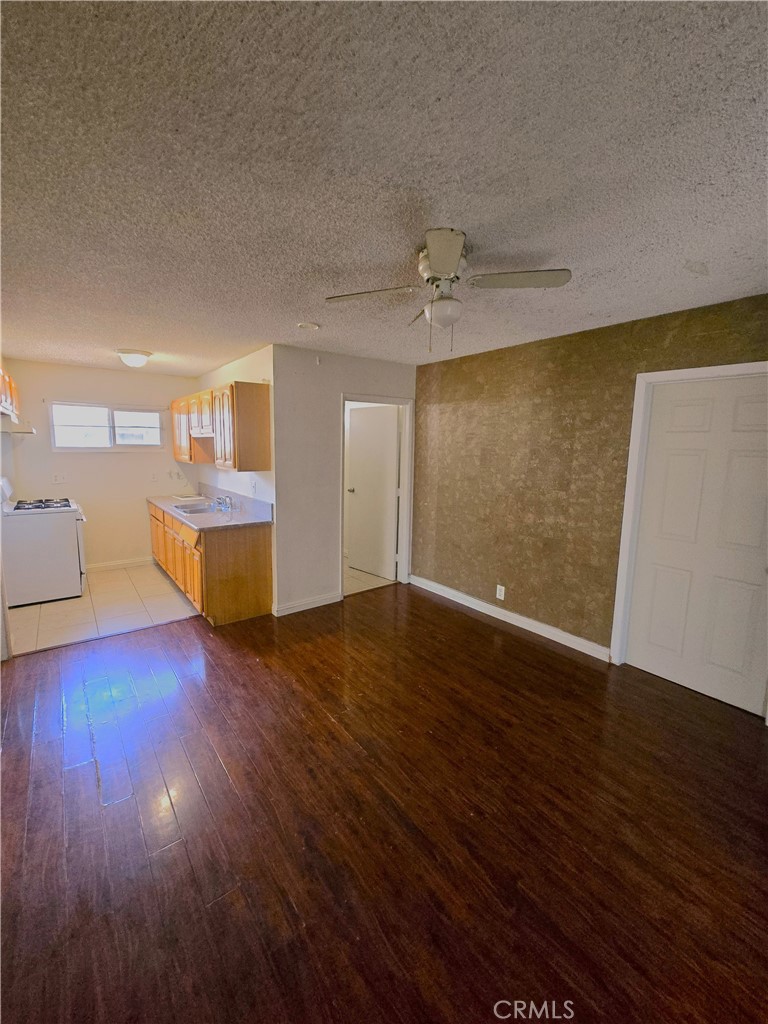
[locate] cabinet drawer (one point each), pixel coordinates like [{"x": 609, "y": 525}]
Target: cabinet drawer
[{"x": 170, "y": 520}]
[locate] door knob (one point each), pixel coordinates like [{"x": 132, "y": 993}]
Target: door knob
[{"x": 351, "y": 490}]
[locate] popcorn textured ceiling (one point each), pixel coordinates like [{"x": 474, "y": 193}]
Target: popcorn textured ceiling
[{"x": 194, "y": 178}]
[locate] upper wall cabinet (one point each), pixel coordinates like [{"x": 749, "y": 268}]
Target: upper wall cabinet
[
  {"x": 182, "y": 450},
  {"x": 201, "y": 414},
  {"x": 9, "y": 396},
  {"x": 229, "y": 426},
  {"x": 241, "y": 434}
]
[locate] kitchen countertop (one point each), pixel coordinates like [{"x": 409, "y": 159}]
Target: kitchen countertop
[{"x": 257, "y": 513}]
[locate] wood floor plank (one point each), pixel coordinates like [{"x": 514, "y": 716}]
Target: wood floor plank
[
  {"x": 158, "y": 818},
  {"x": 76, "y": 722},
  {"x": 206, "y": 851},
  {"x": 35, "y": 968},
  {"x": 114, "y": 781},
  {"x": 101, "y": 706},
  {"x": 196, "y": 986},
  {"x": 82, "y": 813},
  {"x": 90, "y": 949},
  {"x": 140, "y": 974}
]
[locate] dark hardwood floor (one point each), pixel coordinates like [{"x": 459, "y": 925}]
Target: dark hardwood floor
[{"x": 381, "y": 811}]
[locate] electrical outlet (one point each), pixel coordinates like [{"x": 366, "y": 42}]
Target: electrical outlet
[
  {"x": 500, "y": 591},
  {"x": 59, "y": 478},
  {"x": 154, "y": 478}
]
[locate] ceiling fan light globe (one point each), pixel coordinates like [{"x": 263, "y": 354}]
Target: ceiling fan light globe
[{"x": 443, "y": 312}]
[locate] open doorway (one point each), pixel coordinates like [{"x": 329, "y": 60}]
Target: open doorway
[{"x": 373, "y": 496}]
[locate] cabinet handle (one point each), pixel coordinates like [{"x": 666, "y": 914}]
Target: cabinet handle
[{"x": 351, "y": 490}]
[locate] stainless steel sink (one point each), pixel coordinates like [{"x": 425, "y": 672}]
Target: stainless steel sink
[{"x": 196, "y": 510}]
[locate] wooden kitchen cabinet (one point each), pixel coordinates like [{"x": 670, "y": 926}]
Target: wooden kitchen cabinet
[
  {"x": 179, "y": 563},
  {"x": 223, "y": 427},
  {"x": 9, "y": 396},
  {"x": 188, "y": 415},
  {"x": 241, "y": 427},
  {"x": 226, "y": 574},
  {"x": 228, "y": 425},
  {"x": 182, "y": 441},
  {"x": 193, "y": 576},
  {"x": 157, "y": 532},
  {"x": 168, "y": 564},
  {"x": 201, "y": 414}
]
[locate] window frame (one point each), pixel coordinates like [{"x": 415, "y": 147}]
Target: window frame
[{"x": 113, "y": 446}]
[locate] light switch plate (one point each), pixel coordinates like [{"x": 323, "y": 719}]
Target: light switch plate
[
  {"x": 59, "y": 478},
  {"x": 500, "y": 591}
]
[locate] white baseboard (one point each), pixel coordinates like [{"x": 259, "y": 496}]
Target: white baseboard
[
  {"x": 578, "y": 643},
  {"x": 126, "y": 563},
  {"x": 303, "y": 606}
]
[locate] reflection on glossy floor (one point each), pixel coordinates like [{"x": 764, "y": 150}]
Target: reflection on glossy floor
[
  {"x": 115, "y": 601},
  {"x": 356, "y": 581},
  {"x": 384, "y": 810}
]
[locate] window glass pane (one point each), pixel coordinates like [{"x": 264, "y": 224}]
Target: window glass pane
[
  {"x": 137, "y": 427},
  {"x": 81, "y": 415},
  {"x": 81, "y": 426}
]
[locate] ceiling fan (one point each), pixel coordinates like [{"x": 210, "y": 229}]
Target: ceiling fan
[{"x": 442, "y": 264}]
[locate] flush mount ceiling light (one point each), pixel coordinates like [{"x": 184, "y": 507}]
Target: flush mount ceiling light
[
  {"x": 133, "y": 357},
  {"x": 308, "y": 326}
]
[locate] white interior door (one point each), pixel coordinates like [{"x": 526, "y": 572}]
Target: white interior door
[
  {"x": 698, "y": 606},
  {"x": 372, "y": 469}
]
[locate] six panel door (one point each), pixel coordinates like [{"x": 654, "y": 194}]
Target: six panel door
[{"x": 698, "y": 606}]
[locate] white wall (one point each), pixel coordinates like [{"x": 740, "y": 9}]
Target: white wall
[
  {"x": 111, "y": 485},
  {"x": 7, "y": 448},
  {"x": 256, "y": 367},
  {"x": 308, "y": 440}
]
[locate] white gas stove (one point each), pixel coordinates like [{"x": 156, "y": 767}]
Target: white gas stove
[{"x": 42, "y": 550}]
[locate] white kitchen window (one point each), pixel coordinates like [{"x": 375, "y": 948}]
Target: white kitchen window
[{"x": 99, "y": 427}]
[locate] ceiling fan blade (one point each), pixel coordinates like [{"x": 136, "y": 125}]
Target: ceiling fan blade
[
  {"x": 420, "y": 313},
  {"x": 444, "y": 249},
  {"x": 376, "y": 291},
  {"x": 522, "y": 279}
]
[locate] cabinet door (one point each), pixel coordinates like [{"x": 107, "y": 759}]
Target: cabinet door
[
  {"x": 193, "y": 577},
  {"x": 169, "y": 550},
  {"x": 5, "y": 391},
  {"x": 197, "y": 580},
  {"x": 223, "y": 428},
  {"x": 206, "y": 412},
  {"x": 182, "y": 449},
  {"x": 194, "y": 414},
  {"x": 218, "y": 430},
  {"x": 158, "y": 539},
  {"x": 178, "y": 561}
]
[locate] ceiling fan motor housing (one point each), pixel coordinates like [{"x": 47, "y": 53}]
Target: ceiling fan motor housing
[{"x": 426, "y": 271}]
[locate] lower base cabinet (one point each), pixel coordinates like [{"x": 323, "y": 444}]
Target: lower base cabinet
[{"x": 226, "y": 573}]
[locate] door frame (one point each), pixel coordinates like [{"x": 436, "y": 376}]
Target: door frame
[
  {"x": 405, "y": 508},
  {"x": 638, "y": 449}
]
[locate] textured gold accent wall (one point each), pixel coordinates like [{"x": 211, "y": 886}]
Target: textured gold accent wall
[{"x": 521, "y": 458}]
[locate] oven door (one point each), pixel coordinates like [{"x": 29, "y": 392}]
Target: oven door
[{"x": 41, "y": 557}]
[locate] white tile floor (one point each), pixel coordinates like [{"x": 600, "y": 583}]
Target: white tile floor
[
  {"x": 115, "y": 601},
  {"x": 355, "y": 580}
]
